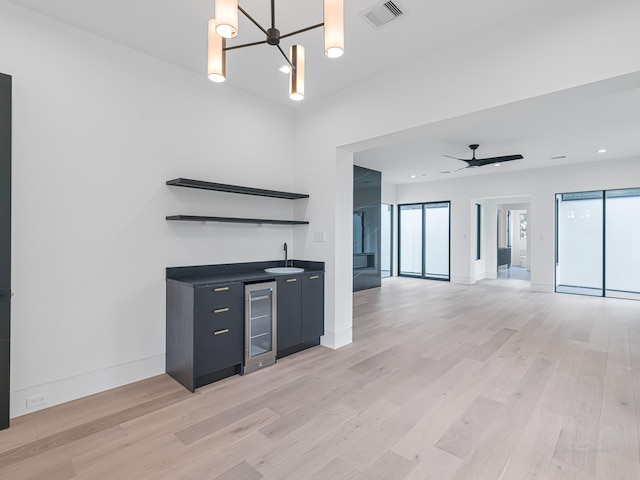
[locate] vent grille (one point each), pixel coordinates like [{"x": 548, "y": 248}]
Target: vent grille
[{"x": 383, "y": 13}]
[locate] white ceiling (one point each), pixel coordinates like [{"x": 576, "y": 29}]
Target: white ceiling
[
  {"x": 573, "y": 123},
  {"x": 176, "y": 31}
]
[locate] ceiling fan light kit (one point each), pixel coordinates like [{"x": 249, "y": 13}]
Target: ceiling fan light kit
[{"x": 225, "y": 26}]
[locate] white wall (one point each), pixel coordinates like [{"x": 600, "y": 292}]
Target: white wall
[
  {"x": 576, "y": 44},
  {"x": 97, "y": 131}
]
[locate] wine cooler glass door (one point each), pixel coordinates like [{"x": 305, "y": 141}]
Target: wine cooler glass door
[
  {"x": 260, "y": 322},
  {"x": 260, "y": 326}
]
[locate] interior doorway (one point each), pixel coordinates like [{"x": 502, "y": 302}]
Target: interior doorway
[
  {"x": 513, "y": 243},
  {"x": 502, "y": 244}
]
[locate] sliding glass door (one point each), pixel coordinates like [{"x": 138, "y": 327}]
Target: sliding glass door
[
  {"x": 436, "y": 240},
  {"x": 410, "y": 239},
  {"x": 598, "y": 243},
  {"x": 622, "y": 243},
  {"x": 424, "y": 240},
  {"x": 579, "y": 240}
]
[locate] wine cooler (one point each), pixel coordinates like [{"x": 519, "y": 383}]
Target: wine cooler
[{"x": 260, "y": 326}]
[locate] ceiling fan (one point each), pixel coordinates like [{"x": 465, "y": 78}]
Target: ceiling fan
[{"x": 480, "y": 162}]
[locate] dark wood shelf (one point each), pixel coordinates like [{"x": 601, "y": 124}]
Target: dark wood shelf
[
  {"x": 196, "y": 218},
  {"x": 221, "y": 187}
]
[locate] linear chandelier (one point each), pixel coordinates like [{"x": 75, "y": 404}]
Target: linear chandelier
[{"x": 225, "y": 26}]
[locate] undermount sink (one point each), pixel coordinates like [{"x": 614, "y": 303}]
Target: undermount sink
[{"x": 284, "y": 270}]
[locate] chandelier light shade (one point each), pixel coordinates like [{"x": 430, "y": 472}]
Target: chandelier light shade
[
  {"x": 333, "y": 28},
  {"x": 296, "y": 75},
  {"x": 217, "y": 64},
  {"x": 226, "y": 13},
  {"x": 225, "y": 26}
]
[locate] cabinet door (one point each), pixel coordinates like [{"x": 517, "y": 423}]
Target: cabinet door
[
  {"x": 312, "y": 306},
  {"x": 289, "y": 312},
  {"x": 219, "y": 346}
]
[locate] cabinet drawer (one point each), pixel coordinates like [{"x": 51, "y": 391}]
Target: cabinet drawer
[
  {"x": 210, "y": 319},
  {"x": 215, "y": 351},
  {"x": 218, "y": 296}
]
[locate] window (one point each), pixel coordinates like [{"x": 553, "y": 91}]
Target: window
[{"x": 523, "y": 226}]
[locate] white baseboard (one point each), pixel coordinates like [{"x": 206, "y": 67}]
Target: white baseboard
[
  {"x": 68, "y": 389},
  {"x": 336, "y": 340},
  {"x": 491, "y": 275},
  {"x": 461, "y": 280}
]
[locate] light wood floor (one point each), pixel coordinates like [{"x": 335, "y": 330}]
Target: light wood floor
[{"x": 443, "y": 382}]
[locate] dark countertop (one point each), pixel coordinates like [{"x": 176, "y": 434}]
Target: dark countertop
[{"x": 252, "y": 272}]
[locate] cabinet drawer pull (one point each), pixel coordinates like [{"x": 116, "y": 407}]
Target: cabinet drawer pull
[
  {"x": 289, "y": 280},
  {"x": 221, "y": 289},
  {"x": 220, "y": 332},
  {"x": 221, "y": 310},
  {"x": 313, "y": 277}
]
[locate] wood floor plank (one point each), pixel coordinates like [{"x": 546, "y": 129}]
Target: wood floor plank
[
  {"x": 578, "y": 440},
  {"x": 461, "y": 439},
  {"x": 484, "y": 351},
  {"x": 336, "y": 470},
  {"x": 618, "y": 433},
  {"x": 533, "y": 455},
  {"x": 610, "y": 466},
  {"x": 242, "y": 471},
  {"x": 434, "y": 464},
  {"x": 390, "y": 465}
]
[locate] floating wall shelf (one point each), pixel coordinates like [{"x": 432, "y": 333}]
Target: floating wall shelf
[
  {"x": 195, "y": 218},
  {"x": 221, "y": 187}
]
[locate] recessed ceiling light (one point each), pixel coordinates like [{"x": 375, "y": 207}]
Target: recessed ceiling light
[
  {"x": 413, "y": 176},
  {"x": 559, "y": 157},
  {"x": 602, "y": 150},
  {"x": 497, "y": 164},
  {"x": 285, "y": 69}
]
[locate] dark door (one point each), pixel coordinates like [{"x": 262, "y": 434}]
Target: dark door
[
  {"x": 289, "y": 306},
  {"x": 5, "y": 245}
]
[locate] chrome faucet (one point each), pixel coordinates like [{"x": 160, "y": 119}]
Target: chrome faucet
[{"x": 285, "y": 254}]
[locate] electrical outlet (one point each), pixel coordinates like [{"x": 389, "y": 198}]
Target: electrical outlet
[{"x": 37, "y": 400}]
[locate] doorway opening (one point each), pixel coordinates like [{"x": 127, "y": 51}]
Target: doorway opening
[{"x": 513, "y": 251}]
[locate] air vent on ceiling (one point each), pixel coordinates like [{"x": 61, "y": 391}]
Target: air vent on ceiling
[{"x": 383, "y": 13}]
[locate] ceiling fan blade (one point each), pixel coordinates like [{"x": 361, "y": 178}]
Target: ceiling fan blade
[
  {"x": 455, "y": 158},
  {"x": 488, "y": 161}
]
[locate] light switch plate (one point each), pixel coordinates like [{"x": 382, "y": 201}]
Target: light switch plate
[{"x": 319, "y": 236}]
